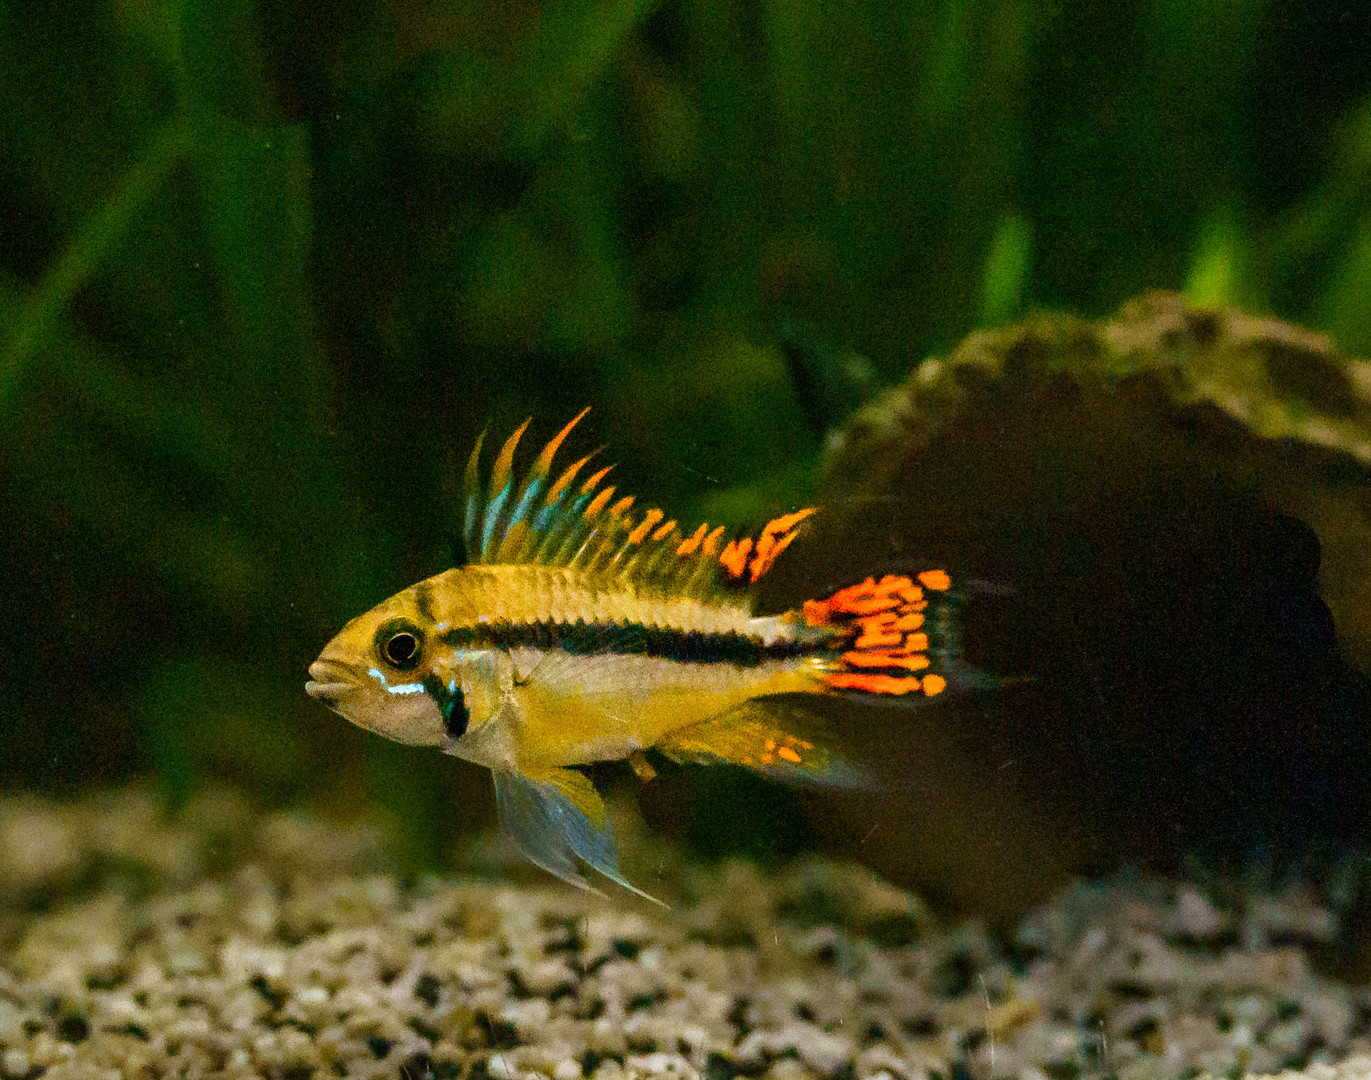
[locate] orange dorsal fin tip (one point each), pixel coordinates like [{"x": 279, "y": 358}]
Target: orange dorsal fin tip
[
  {"x": 593, "y": 480},
  {"x": 764, "y": 562},
  {"x": 639, "y": 534},
  {"x": 544, "y": 460},
  {"x": 598, "y": 503},
  {"x": 499, "y": 474},
  {"x": 787, "y": 521},
  {"x": 568, "y": 475},
  {"x": 665, "y": 531},
  {"x": 937, "y": 580},
  {"x": 777, "y": 535},
  {"x": 617, "y": 510},
  {"x": 734, "y": 557},
  {"x": 690, "y": 543},
  {"x": 473, "y": 473},
  {"x": 711, "y": 542},
  {"x": 934, "y": 684}
]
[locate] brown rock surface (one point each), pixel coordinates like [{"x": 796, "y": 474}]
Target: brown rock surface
[{"x": 1165, "y": 521}]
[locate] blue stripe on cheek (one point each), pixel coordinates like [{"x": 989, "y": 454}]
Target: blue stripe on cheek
[{"x": 403, "y": 688}]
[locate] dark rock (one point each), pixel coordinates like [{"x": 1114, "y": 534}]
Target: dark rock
[{"x": 1162, "y": 524}]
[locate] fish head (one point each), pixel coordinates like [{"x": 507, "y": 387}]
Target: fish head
[{"x": 379, "y": 673}]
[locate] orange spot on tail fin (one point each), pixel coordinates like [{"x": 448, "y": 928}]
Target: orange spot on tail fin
[
  {"x": 886, "y": 630},
  {"x": 861, "y": 658},
  {"x": 872, "y": 684}
]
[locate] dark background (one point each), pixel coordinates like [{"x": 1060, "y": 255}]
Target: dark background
[{"x": 267, "y": 269}]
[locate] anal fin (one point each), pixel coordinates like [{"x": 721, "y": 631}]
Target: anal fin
[
  {"x": 555, "y": 818},
  {"x": 777, "y": 736}
]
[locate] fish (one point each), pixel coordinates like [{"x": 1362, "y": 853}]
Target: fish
[{"x": 582, "y": 629}]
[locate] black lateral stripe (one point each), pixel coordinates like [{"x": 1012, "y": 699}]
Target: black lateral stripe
[{"x": 631, "y": 639}]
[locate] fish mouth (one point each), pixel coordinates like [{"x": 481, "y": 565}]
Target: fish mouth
[{"x": 326, "y": 682}]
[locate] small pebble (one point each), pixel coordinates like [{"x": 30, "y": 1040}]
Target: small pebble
[
  {"x": 1196, "y": 916},
  {"x": 287, "y": 966},
  {"x": 567, "y": 1070},
  {"x": 15, "y": 1063}
]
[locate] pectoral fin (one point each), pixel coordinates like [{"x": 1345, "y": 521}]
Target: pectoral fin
[
  {"x": 775, "y": 736},
  {"x": 555, "y": 818}
]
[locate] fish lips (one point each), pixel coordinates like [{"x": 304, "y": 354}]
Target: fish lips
[{"x": 326, "y": 683}]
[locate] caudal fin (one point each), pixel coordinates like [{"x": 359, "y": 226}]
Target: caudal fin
[{"x": 898, "y": 635}]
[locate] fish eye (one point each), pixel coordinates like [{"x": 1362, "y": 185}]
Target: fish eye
[{"x": 400, "y": 644}]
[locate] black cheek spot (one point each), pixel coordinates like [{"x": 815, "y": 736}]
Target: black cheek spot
[
  {"x": 456, "y": 715},
  {"x": 450, "y": 703}
]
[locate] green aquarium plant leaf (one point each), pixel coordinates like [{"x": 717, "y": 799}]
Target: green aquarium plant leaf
[
  {"x": 1006, "y": 271},
  {"x": 228, "y": 724},
  {"x": 101, "y": 231},
  {"x": 1218, "y": 267},
  {"x": 1343, "y": 310},
  {"x": 255, "y": 180},
  {"x": 217, "y": 42},
  {"x": 576, "y": 42}
]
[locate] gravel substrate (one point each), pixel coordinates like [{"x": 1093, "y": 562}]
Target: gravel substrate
[{"x": 230, "y": 943}]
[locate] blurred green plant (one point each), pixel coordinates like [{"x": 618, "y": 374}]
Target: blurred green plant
[
  {"x": 266, "y": 267},
  {"x": 1006, "y": 272}
]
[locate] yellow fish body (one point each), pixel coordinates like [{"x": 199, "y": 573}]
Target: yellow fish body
[{"x": 585, "y": 631}]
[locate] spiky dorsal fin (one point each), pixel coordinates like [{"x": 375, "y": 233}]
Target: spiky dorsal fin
[{"x": 531, "y": 520}]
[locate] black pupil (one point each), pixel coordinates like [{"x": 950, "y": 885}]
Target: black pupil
[{"x": 400, "y": 649}]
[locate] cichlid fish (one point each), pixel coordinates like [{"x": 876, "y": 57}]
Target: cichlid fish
[{"x": 583, "y": 630}]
